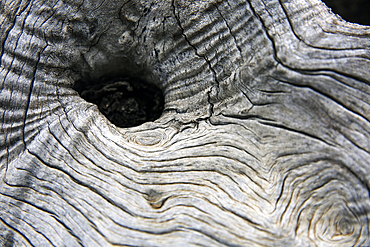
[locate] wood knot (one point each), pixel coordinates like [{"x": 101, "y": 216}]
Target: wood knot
[
  {"x": 155, "y": 199},
  {"x": 147, "y": 138}
]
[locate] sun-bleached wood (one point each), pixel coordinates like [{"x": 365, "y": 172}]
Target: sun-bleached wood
[{"x": 264, "y": 140}]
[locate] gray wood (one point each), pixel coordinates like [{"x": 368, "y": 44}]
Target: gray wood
[{"x": 264, "y": 140}]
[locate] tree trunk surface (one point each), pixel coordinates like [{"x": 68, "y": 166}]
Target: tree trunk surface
[{"x": 264, "y": 139}]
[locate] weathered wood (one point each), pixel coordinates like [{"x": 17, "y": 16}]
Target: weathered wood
[{"x": 264, "y": 140}]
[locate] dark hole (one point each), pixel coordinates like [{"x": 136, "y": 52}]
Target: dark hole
[
  {"x": 356, "y": 11},
  {"x": 126, "y": 102}
]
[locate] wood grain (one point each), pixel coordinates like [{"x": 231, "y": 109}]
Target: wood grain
[{"x": 264, "y": 140}]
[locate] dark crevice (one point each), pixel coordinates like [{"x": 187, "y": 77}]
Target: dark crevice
[
  {"x": 231, "y": 33},
  {"x": 84, "y": 185},
  {"x": 217, "y": 83},
  {"x": 301, "y": 132},
  {"x": 300, "y": 39},
  {"x": 195, "y": 48},
  {"x": 10, "y": 237},
  {"x": 30, "y": 90},
  {"x": 327, "y": 95},
  {"x": 126, "y": 102},
  {"x": 69, "y": 230},
  {"x": 356, "y": 11},
  {"x": 21, "y": 199},
  {"x": 276, "y": 57},
  {"x": 273, "y": 43},
  {"x": 18, "y": 10}
]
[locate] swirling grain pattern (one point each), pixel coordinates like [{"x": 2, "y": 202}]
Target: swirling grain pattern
[{"x": 264, "y": 140}]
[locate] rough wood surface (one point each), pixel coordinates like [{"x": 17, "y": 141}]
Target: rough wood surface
[{"x": 264, "y": 140}]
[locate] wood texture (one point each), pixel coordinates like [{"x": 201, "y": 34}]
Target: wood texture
[{"x": 264, "y": 140}]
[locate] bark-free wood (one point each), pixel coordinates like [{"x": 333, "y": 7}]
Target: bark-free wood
[{"x": 264, "y": 140}]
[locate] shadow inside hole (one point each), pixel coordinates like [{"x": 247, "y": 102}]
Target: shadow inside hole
[
  {"x": 356, "y": 11},
  {"x": 124, "y": 101}
]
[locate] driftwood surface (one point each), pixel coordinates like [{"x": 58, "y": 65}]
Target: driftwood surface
[{"x": 264, "y": 140}]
